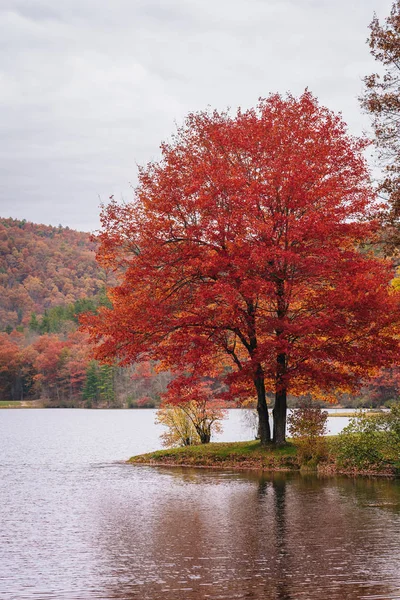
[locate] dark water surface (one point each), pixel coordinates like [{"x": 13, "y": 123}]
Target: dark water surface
[{"x": 76, "y": 525}]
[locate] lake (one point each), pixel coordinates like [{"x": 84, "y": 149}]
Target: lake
[{"x": 78, "y": 524}]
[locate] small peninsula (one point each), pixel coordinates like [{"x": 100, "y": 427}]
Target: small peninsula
[{"x": 252, "y": 455}]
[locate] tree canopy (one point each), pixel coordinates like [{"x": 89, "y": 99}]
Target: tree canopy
[
  {"x": 382, "y": 100},
  {"x": 239, "y": 258}
]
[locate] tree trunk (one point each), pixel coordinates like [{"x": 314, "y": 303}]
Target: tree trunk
[
  {"x": 205, "y": 437},
  {"x": 264, "y": 429},
  {"x": 279, "y": 414},
  {"x": 280, "y": 408}
]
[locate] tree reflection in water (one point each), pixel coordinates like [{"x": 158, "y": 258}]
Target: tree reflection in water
[{"x": 199, "y": 534}]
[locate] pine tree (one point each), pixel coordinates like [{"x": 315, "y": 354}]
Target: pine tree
[
  {"x": 34, "y": 323},
  {"x": 91, "y": 387},
  {"x": 106, "y": 384}
]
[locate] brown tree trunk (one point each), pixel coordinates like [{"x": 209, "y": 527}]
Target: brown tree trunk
[
  {"x": 205, "y": 437},
  {"x": 264, "y": 429},
  {"x": 280, "y": 407},
  {"x": 279, "y": 414}
]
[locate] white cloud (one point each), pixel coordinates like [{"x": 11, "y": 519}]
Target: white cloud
[{"x": 89, "y": 88}]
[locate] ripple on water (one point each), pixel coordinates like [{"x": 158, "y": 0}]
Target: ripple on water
[{"x": 77, "y": 526}]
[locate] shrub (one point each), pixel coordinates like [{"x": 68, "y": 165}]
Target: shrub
[
  {"x": 307, "y": 427},
  {"x": 180, "y": 430},
  {"x": 370, "y": 442},
  {"x": 190, "y": 423}
]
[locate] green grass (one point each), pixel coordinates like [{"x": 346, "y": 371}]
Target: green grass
[
  {"x": 232, "y": 455},
  {"x": 5, "y": 403},
  {"x": 20, "y": 404}
]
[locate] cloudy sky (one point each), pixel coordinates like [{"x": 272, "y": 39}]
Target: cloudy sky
[{"x": 89, "y": 88}]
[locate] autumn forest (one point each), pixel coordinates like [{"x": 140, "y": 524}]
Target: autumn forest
[{"x": 48, "y": 277}]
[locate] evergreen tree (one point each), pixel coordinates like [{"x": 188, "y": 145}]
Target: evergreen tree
[
  {"x": 34, "y": 324},
  {"x": 106, "y": 383},
  {"x": 91, "y": 387},
  {"x": 45, "y": 325}
]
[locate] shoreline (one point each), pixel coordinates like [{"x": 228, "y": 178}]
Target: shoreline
[
  {"x": 41, "y": 403},
  {"x": 320, "y": 471},
  {"x": 250, "y": 456}
]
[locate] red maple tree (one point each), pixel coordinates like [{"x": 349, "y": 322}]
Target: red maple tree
[{"x": 239, "y": 258}]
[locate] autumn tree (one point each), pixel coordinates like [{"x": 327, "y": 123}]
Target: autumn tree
[
  {"x": 199, "y": 403},
  {"x": 384, "y": 387},
  {"x": 60, "y": 366},
  {"x": 382, "y": 100},
  {"x": 179, "y": 430},
  {"x": 10, "y": 362},
  {"x": 239, "y": 258},
  {"x": 50, "y": 366}
]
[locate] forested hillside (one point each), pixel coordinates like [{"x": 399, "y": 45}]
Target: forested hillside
[
  {"x": 42, "y": 267},
  {"x": 48, "y": 276}
]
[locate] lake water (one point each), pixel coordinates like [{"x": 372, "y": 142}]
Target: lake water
[{"x": 76, "y": 524}]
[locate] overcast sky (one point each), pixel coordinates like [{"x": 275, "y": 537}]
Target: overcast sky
[{"x": 89, "y": 88}]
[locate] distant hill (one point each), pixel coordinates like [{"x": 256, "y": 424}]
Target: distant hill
[
  {"x": 42, "y": 267},
  {"x": 48, "y": 276}
]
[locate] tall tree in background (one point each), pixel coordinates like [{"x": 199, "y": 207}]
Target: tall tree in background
[
  {"x": 238, "y": 259},
  {"x": 10, "y": 363},
  {"x": 91, "y": 387},
  {"x": 106, "y": 384},
  {"x": 382, "y": 100}
]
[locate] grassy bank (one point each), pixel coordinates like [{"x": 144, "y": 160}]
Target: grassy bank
[
  {"x": 236, "y": 455},
  {"x": 252, "y": 456},
  {"x": 21, "y": 404},
  {"x": 10, "y": 403},
  {"x": 350, "y": 414}
]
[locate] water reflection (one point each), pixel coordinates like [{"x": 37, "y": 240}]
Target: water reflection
[
  {"x": 209, "y": 535},
  {"x": 75, "y": 526}
]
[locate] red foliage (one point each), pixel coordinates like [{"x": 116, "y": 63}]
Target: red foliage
[
  {"x": 241, "y": 248},
  {"x": 10, "y": 362},
  {"x": 185, "y": 390},
  {"x": 143, "y": 371},
  {"x": 384, "y": 387},
  {"x": 145, "y": 401},
  {"x": 60, "y": 365}
]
